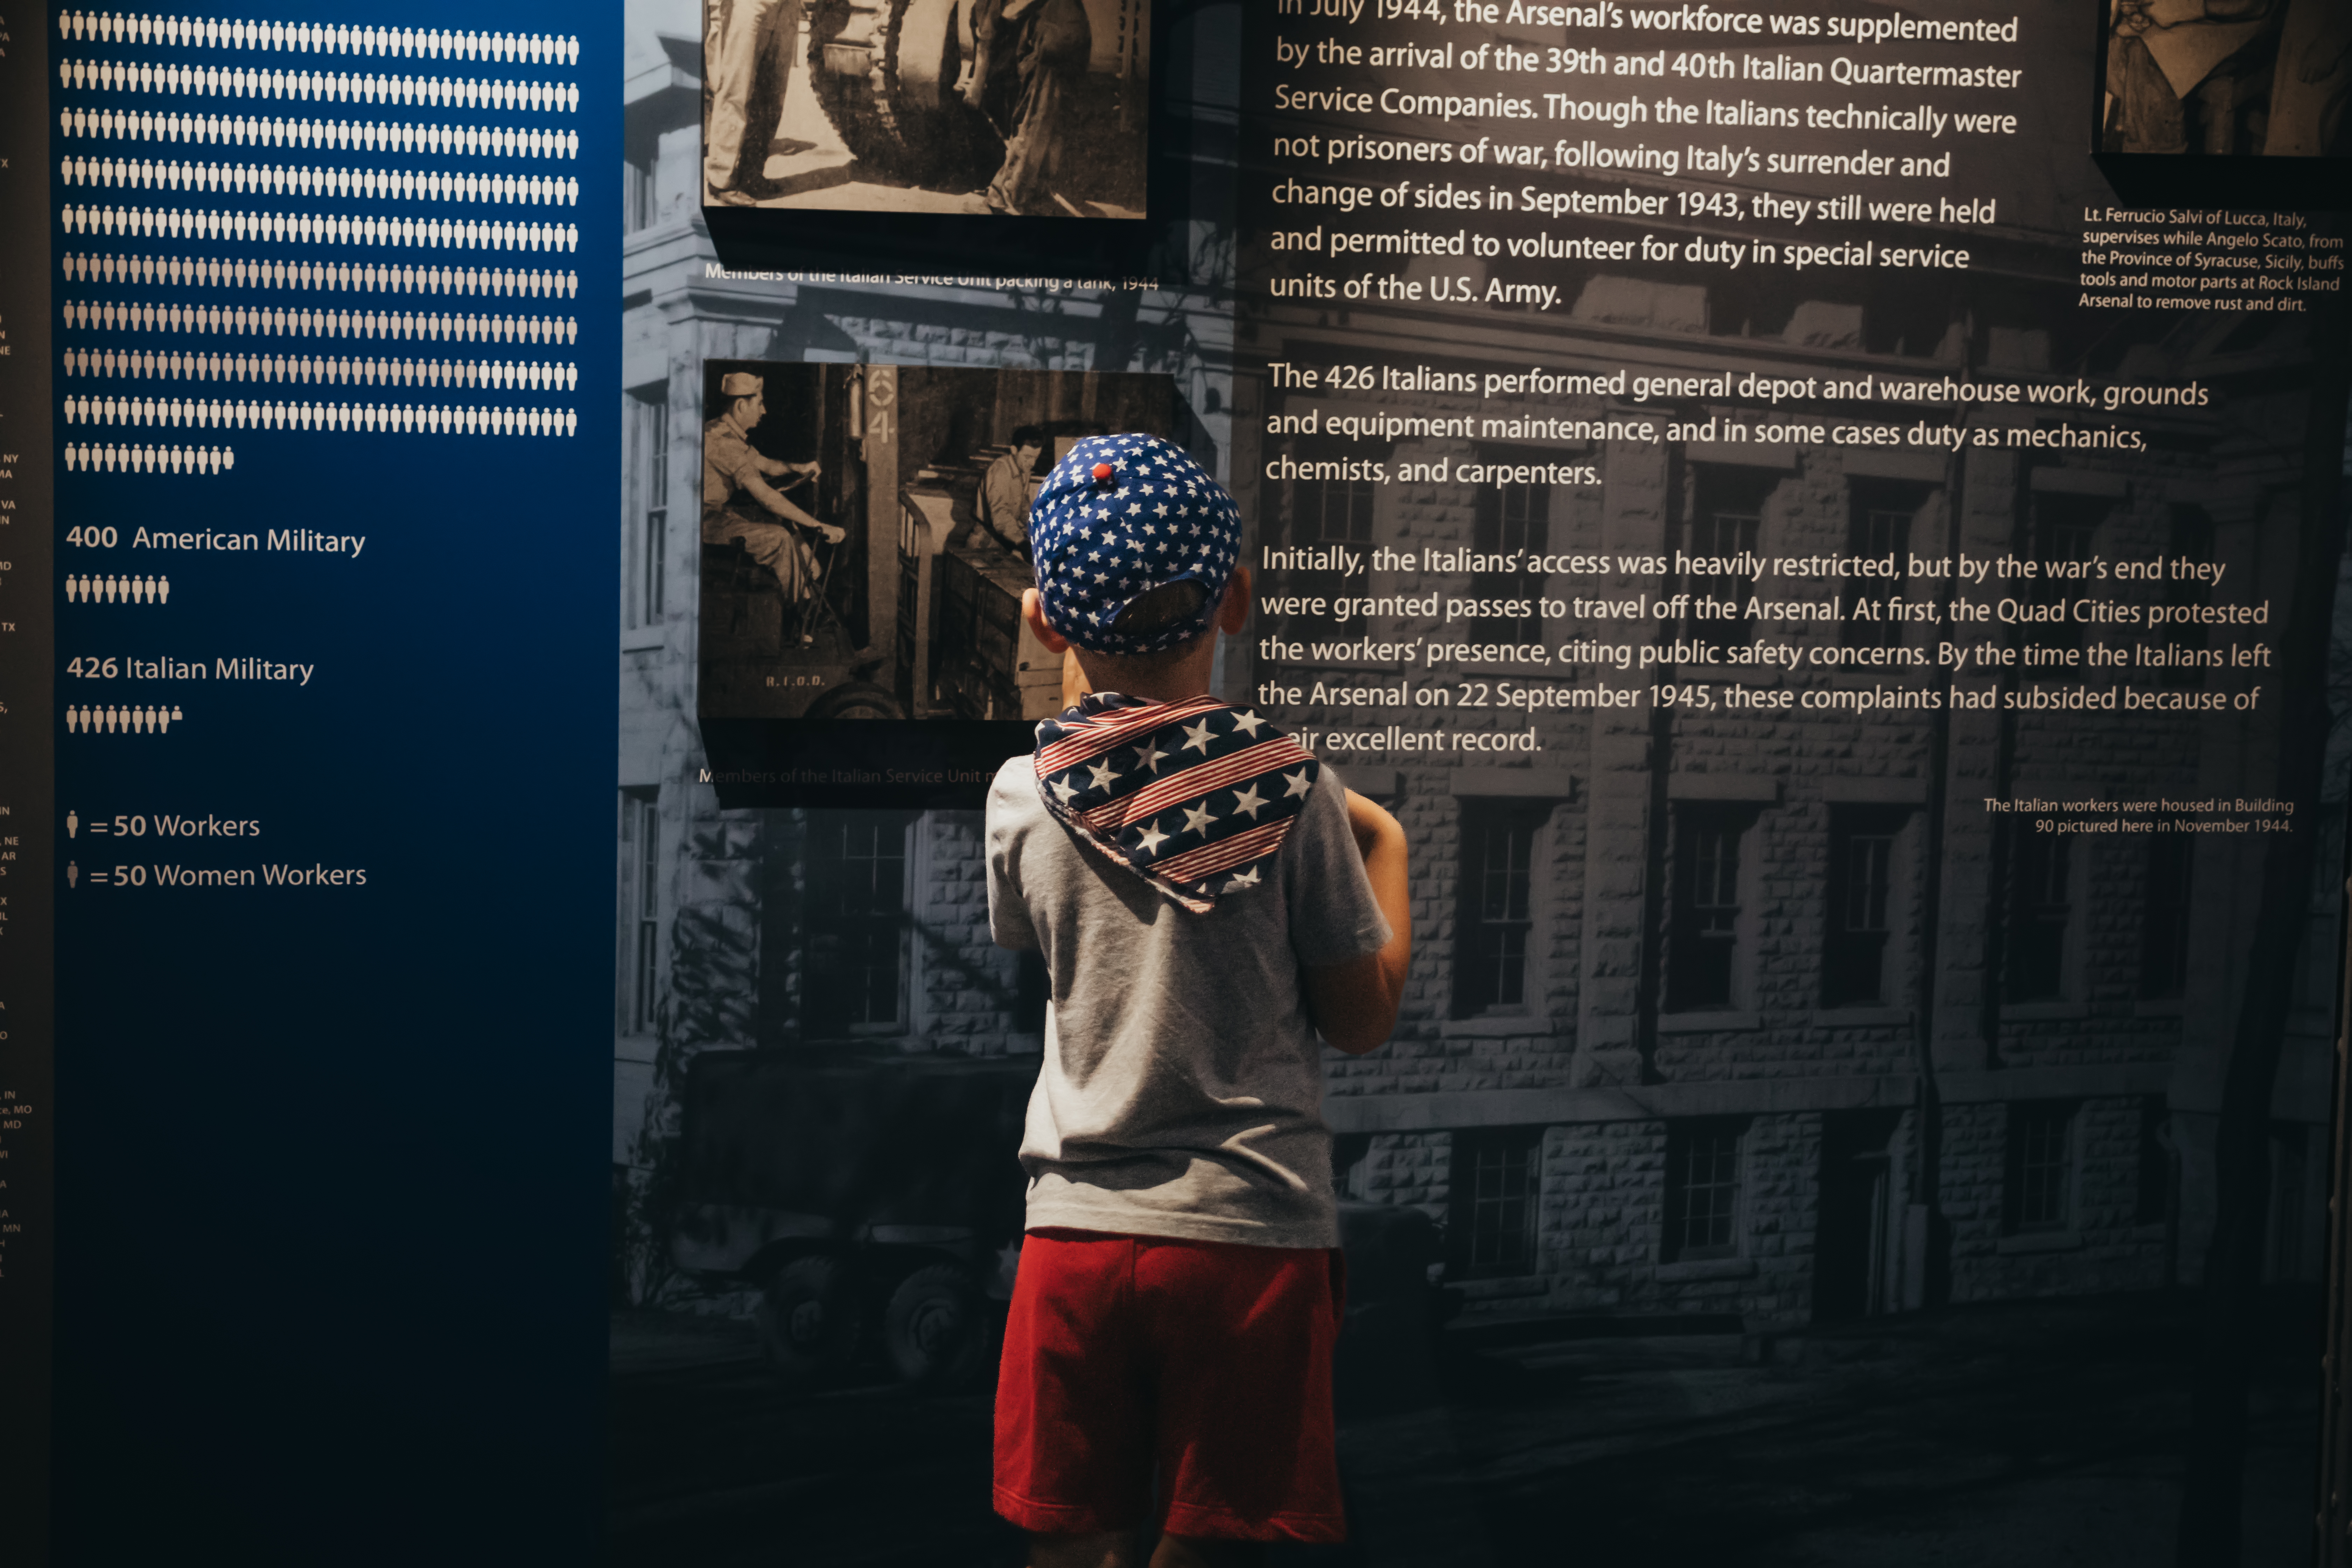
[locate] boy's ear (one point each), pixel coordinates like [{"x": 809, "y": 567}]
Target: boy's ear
[
  {"x": 1233, "y": 614},
  {"x": 1032, "y": 610}
]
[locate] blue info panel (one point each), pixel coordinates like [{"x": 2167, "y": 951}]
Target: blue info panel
[{"x": 334, "y": 609}]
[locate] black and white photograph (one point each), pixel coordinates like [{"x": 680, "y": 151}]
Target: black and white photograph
[
  {"x": 2226, "y": 78},
  {"x": 865, "y": 533},
  {"x": 1004, "y": 107},
  {"x": 1780, "y": 1159}
]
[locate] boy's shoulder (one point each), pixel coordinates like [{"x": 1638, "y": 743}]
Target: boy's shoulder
[{"x": 1013, "y": 793}]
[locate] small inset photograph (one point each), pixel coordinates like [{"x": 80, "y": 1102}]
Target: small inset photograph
[
  {"x": 865, "y": 534},
  {"x": 1005, "y": 108},
  {"x": 2232, "y": 78}
]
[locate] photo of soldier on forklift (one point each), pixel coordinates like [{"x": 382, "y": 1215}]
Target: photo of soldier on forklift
[{"x": 865, "y": 537}]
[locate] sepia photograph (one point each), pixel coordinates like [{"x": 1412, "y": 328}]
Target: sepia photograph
[
  {"x": 865, "y": 534},
  {"x": 2226, "y": 78},
  {"x": 1005, "y": 108}
]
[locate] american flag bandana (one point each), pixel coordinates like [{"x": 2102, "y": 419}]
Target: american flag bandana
[{"x": 1195, "y": 796}]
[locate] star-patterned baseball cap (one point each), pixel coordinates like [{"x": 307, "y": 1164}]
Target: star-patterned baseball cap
[{"x": 1119, "y": 516}]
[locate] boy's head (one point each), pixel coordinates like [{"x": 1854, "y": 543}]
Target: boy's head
[{"x": 1134, "y": 547}]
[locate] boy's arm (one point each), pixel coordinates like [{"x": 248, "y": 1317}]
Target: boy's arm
[{"x": 1355, "y": 1004}]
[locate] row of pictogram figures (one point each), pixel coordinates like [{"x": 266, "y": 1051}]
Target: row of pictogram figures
[
  {"x": 505, "y": 375},
  {"x": 321, "y": 182},
  {"x": 317, "y": 38},
  {"x": 112, "y": 721},
  {"x": 419, "y": 139},
  {"x": 109, "y": 589},
  {"x": 113, "y": 316},
  {"x": 320, "y": 87},
  {"x": 382, "y": 419},
  {"x": 319, "y": 228},
  {"x": 89, "y": 459},
  {"x": 254, "y": 272}
]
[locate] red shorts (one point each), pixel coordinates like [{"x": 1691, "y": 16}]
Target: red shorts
[{"x": 1208, "y": 1359}]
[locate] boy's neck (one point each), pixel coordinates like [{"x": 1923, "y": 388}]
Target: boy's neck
[{"x": 1177, "y": 680}]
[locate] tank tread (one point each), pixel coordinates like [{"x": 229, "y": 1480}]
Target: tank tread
[{"x": 860, "y": 106}]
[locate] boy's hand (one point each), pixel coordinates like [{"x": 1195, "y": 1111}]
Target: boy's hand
[{"x": 1356, "y": 1004}]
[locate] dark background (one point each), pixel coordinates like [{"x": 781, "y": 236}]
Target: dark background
[{"x": 331, "y": 1161}]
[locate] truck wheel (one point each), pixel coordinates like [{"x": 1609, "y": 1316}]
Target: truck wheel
[
  {"x": 808, "y": 1321},
  {"x": 855, "y": 699},
  {"x": 938, "y": 1329}
]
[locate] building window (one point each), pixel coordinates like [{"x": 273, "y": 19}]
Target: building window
[
  {"x": 2063, "y": 529},
  {"x": 640, "y": 910},
  {"x": 2040, "y": 1185},
  {"x": 1878, "y": 527},
  {"x": 2152, "y": 1203},
  {"x": 1498, "y": 1180},
  {"x": 1331, "y": 510},
  {"x": 1512, "y": 518},
  {"x": 1855, "y": 969},
  {"x": 640, "y": 187},
  {"x": 2040, "y": 910},
  {"x": 1726, "y": 524},
  {"x": 856, "y": 925},
  {"x": 2164, "y": 920},
  {"x": 2184, "y": 635},
  {"x": 1703, "y": 1190},
  {"x": 1499, "y": 846},
  {"x": 648, "y": 550},
  {"x": 1706, "y": 919}
]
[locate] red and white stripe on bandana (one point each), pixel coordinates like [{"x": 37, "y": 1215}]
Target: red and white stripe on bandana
[{"x": 1194, "y": 796}]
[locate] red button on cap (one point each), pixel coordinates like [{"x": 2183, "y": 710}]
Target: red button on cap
[{"x": 1102, "y": 473}]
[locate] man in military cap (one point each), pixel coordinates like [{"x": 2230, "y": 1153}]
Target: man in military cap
[
  {"x": 748, "y": 53},
  {"x": 739, "y": 504}
]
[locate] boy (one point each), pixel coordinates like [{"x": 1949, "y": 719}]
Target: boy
[{"x": 1206, "y": 896}]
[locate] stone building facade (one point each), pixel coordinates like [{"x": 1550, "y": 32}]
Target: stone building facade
[
  {"x": 1750, "y": 1012},
  {"x": 1749, "y": 1005},
  {"x": 723, "y": 916}
]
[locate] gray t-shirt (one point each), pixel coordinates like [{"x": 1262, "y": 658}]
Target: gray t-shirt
[{"x": 1182, "y": 1087}]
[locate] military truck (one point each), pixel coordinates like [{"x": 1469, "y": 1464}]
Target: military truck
[
  {"x": 890, "y": 76},
  {"x": 872, "y": 1199},
  {"x": 876, "y": 1202}
]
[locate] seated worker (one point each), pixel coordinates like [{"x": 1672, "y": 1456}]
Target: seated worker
[
  {"x": 1004, "y": 492},
  {"x": 740, "y": 505},
  {"x": 1213, "y": 907}
]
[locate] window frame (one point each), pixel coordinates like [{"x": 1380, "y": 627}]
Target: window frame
[
  {"x": 2165, "y": 905},
  {"x": 1684, "y": 1137},
  {"x": 1359, "y": 496},
  {"x": 1723, "y": 494},
  {"x": 645, "y": 593},
  {"x": 1485, "y": 816},
  {"x": 1496, "y": 531},
  {"x": 1898, "y": 505},
  {"x": 1884, "y": 829},
  {"x": 1691, "y": 922},
  {"x": 819, "y": 926},
  {"x": 2060, "y": 1122},
  {"x": 2030, "y": 933},
  {"x": 638, "y": 1002},
  {"x": 1510, "y": 1156}
]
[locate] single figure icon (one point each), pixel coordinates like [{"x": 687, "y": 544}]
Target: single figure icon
[
  {"x": 73, "y": 875},
  {"x": 73, "y": 824}
]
